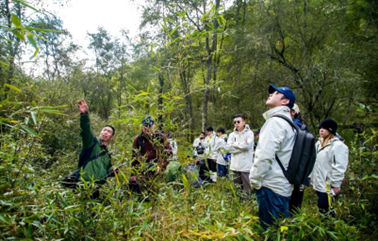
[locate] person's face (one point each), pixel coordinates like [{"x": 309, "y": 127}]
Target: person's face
[
  {"x": 106, "y": 134},
  {"x": 324, "y": 133},
  {"x": 209, "y": 133},
  {"x": 148, "y": 128},
  {"x": 219, "y": 134},
  {"x": 257, "y": 136},
  {"x": 275, "y": 99},
  {"x": 202, "y": 136},
  {"x": 239, "y": 123}
]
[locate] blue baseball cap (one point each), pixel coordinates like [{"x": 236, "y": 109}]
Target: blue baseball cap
[
  {"x": 288, "y": 93},
  {"x": 147, "y": 119}
]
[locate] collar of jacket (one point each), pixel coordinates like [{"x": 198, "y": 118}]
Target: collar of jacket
[
  {"x": 224, "y": 136},
  {"x": 277, "y": 110},
  {"x": 246, "y": 128},
  {"x": 335, "y": 138}
]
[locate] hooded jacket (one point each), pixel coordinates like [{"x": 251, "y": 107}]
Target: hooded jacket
[
  {"x": 196, "y": 143},
  {"x": 331, "y": 164},
  {"x": 240, "y": 145},
  {"x": 276, "y": 138},
  {"x": 220, "y": 149},
  {"x": 209, "y": 146}
]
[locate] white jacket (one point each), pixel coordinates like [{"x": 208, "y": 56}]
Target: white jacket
[
  {"x": 276, "y": 138},
  {"x": 331, "y": 164},
  {"x": 209, "y": 146},
  {"x": 221, "y": 149},
  {"x": 240, "y": 145},
  {"x": 196, "y": 143}
]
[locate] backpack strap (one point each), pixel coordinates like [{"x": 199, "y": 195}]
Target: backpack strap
[
  {"x": 90, "y": 159},
  {"x": 294, "y": 126}
]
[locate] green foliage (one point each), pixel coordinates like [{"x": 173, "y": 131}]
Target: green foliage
[{"x": 324, "y": 50}]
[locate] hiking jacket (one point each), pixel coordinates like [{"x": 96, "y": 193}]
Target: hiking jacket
[
  {"x": 331, "y": 164},
  {"x": 210, "y": 145},
  {"x": 101, "y": 166},
  {"x": 197, "y": 141},
  {"x": 220, "y": 149},
  {"x": 276, "y": 138},
  {"x": 240, "y": 145},
  {"x": 151, "y": 148}
]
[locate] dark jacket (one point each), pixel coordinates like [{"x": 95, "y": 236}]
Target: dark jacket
[
  {"x": 147, "y": 148},
  {"x": 101, "y": 166}
]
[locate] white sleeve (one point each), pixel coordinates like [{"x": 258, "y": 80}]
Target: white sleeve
[
  {"x": 270, "y": 141},
  {"x": 246, "y": 144},
  {"x": 196, "y": 143},
  {"x": 230, "y": 145},
  {"x": 339, "y": 164}
]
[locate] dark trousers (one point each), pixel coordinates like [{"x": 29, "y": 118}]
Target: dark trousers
[
  {"x": 222, "y": 171},
  {"x": 271, "y": 206},
  {"x": 212, "y": 164},
  {"x": 242, "y": 179},
  {"x": 325, "y": 204},
  {"x": 203, "y": 170},
  {"x": 296, "y": 198}
]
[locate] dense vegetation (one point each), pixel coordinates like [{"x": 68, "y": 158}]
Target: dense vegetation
[{"x": 194, "y": 64}]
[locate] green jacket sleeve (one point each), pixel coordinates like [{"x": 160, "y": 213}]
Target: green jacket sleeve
[{"x": 85, "y": 131}]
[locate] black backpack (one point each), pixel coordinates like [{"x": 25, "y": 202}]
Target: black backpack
[{"x": 303, "y": 156}]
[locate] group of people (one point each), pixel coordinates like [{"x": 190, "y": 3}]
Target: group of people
[{"x": 252, "y": 167}]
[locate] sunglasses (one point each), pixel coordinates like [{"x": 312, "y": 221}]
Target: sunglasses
[
  {"x": 236, "y": 122},
  {"x": 146, "y": 125}
]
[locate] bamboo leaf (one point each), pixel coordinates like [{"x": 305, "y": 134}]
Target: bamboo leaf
[
  {"x": 34, "y": 117},
  {"x": 26, "y": 5},
  {"x": 30, "y": 131},
  {"x": 19, "y": 34},
  {"x": 12, "y": 87},
  {"x": 16, "y": 21},
  {"x": 32, "y": 41}
]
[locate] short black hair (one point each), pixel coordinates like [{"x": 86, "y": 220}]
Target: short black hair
[
  {"x": 221, "y": 129},
  {"x": 203, "y": 133},
  {"x": 239, "y": 115},
  {"x": 209, "y": 128},
  {"x": 257, "y": 132},
  {"x": 112, "y": 129}
]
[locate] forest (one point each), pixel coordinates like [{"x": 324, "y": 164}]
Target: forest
[{"x": 194, "y": 63}]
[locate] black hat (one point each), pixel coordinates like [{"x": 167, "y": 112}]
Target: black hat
[{"x": 329, "y": 125}]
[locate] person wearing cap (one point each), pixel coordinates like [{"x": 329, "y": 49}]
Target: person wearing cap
[
  {"x": 150, "y": 147},
  {"x": 298, "y": 192},
  {"x": 330, "y": 166},
  {"x": 97, "y": 165},
  {"x": 277, "y": 138},
  {"x": 240, "y": 145}
]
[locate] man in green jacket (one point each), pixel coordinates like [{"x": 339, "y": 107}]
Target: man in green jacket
[{"x": 95, "y": 159}]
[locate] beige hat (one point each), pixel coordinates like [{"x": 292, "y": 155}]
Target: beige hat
[{"x": 296, "y": 109}]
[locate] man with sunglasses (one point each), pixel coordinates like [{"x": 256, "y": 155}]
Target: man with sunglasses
[
  {"x": 277, "y": 138},
  {"x": 150, "y": 148},
  {"x": 240, "y": 145}
]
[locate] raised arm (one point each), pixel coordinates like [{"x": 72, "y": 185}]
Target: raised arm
[{"x": 85, "y": 124}]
